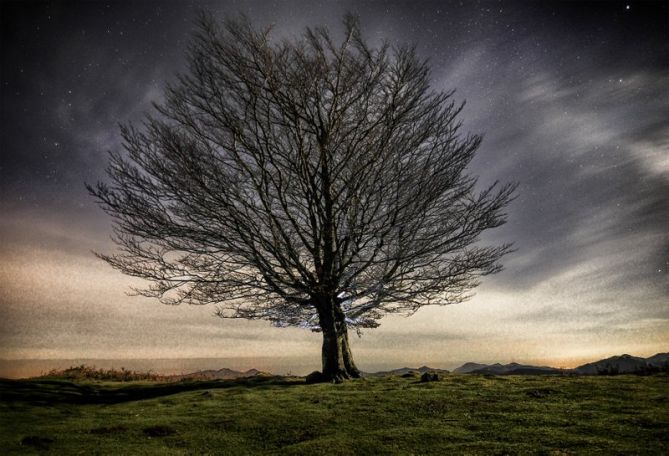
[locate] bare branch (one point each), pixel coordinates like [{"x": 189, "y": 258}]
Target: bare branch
[{"x": 277, "y": 174}]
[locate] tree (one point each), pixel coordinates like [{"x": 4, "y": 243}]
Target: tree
[{"x": 305, "y": 182}]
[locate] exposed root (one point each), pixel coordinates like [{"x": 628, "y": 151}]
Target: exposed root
[{"x": 337, "y": 377}]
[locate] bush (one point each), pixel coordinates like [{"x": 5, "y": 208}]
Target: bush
[{"x": 84, "y": 372}]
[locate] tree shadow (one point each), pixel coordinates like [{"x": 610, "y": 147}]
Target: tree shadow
[{"x": 53, "y": 391}]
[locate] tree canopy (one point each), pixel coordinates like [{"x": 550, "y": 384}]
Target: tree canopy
[{"x": 309, "y": 182}]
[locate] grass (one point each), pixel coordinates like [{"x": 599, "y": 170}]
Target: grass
[{"x": 458, "y": 415}]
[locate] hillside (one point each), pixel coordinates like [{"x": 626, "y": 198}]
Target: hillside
[
  {"x": 390, "y": 415},
  {"x": 623, "y": 364},
  {"x": 469, "y": 367},
  {"x": 658, "y": 360}
]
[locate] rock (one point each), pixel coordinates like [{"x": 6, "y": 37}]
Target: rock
[
  {"x": 315, "y": 377},
  {"x": 429, "y": 377}
]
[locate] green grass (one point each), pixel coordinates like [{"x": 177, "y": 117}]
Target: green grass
[{"x": 457, "y": 415}]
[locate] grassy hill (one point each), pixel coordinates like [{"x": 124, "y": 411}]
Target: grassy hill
[{"x": 459, "y": 414}]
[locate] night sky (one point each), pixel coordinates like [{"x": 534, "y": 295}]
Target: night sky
[{"x": 573, "y": 102}]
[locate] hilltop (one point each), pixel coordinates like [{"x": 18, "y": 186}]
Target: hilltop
[{"x": 460, "y": 414}]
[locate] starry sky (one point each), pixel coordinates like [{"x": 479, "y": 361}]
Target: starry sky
[{"x": 571, "y": 98}]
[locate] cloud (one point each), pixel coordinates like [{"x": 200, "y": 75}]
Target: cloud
[
  {"x": 579, "y": 121},
  {"x": 586, "y": 181}
]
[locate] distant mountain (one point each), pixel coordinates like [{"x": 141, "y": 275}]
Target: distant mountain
[
  {"x": 659, "y": 360},
  {"x": 506, "y": 369},
  {"x": 404, "y": 371},
  {"x": 624, "y": 364},
  {"x": 220, "y": 374},
  {"x": 469, "y": 367},
  {"x": 516, "y": 369}
]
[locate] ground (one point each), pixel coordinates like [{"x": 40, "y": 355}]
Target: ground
[{"x": 460, "y": 414}]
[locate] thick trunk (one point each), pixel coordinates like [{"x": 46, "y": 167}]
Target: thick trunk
[{"x": 337, "y": 360}]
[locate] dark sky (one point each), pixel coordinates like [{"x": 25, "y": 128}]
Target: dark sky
[{"x": 571, "y": 98}]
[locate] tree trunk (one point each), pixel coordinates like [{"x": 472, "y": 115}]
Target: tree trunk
[{"x": 337, "y": 360}]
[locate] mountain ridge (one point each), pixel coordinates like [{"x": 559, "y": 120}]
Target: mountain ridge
[
  {"x": 405, "y": 371},
  {"x": 220, "y": 374},
  {"x": 619, "y": 364}
]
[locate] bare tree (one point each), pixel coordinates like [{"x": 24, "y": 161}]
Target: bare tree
[{"x": 307, "y": 182}]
